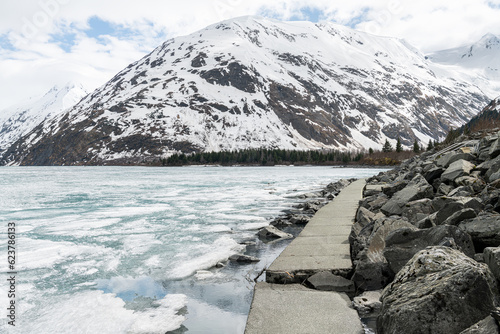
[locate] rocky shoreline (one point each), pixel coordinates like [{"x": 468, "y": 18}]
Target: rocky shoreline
[{"x": 426, "y": 242}]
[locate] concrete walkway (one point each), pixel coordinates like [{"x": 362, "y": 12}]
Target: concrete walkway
[
  {"x": 292, "y": 308},
  {"x": 322, "y": 246}
]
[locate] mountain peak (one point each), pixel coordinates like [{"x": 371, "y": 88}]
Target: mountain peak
[{"x": 252, "y": 82}]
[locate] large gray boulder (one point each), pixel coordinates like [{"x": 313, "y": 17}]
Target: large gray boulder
[
  {"x": 491, "y": 256},
  {"x": 375, "y": 202},
  {"x": 269, "y": 233},
  {"x": 440, "y": 291},
  {"x": 243, "y": 258},
  {"x": 460, "y": 216},
  {"x": 486, "y": 326},
  {"x": 417, "y": 210},
  {"x": 484, "y": 230},
  {"x": 402, "y": 244},
  {"x": 372, "y": 272},
  {"x": 416, "y": 189},
  {"x": 457, "y": 169},
  {"x": 495, "y": 149}
]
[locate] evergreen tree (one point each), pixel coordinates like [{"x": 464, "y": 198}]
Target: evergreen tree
[
  {"x": 399, "y": 147},
  {"x": 387, "y": 147},
  {"x": 416, "y": 147},
  {"x": 370, "y": 151},
  {"x": 430, "y": 146}
]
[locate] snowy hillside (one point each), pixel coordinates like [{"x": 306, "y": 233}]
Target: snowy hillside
[
  {"x": 252, "y": 82},
  {"x": 19, "y": 120},
  {"x": 479, "y": 63}
]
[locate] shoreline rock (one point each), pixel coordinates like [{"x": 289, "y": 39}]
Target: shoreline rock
[{"x": 418, "y": 232}]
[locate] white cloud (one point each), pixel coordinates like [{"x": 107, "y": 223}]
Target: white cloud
[{"x": 37, "y": 61}]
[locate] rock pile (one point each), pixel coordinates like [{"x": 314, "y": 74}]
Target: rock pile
[{"x": 428, "y": 234}]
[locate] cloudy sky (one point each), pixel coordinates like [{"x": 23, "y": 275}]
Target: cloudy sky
[{"x": 49, "y": 42}]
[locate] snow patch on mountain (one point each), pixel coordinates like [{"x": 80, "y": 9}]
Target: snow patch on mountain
[
  {"x": 252, "y": 82},
  {"x": 19, "y": 120}
]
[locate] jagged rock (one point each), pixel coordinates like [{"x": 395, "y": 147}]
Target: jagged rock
[
  {"x": 427, "y": 222},
  {"x": 440, "y": 290},
  {"x": 364, "y": 217},
  {"x": 417, "y": 188},
  {"x": 326, "y": 281},
  {"x": 475, "y": 183},
  {"x": 495, "y": 176},
  {"x": 370, "y": 275},
  {"x": 243, "y": 258},
  {"x": 368, "y": 302},
  {"x": 495, "y": 149},
  {"x": 393, "y": 188},
  {"x": 372, "y": 271},
  {"x": 491, "y": 256},
  {"x": 381, "y": 229},
  {"x": 433, "y": 174},
  {"x": 309, "y": 195},
  {"x": 374, "y": 203},
  {"x": 444, "y": 161},
  {"x": 486, "y": 326},
  {"x": 299, "y": 219},
  {"x": 484, "y": 230},
  {"x": 402, "y": 244},
  {"x": 280, "y": 222},
  {"x": 486, "y": 165},
  {"x": 417, "y": 210},
  {"x": 445, "y": 206},
  {"x": 336, "y": 187},
  {"x": 444, "y": 189},
  {"x": 270, "y": 233},
  {"x": 459, "y": 216},
  {"x": 463, "y": 191},
  {"x": 457, "y": 169}
]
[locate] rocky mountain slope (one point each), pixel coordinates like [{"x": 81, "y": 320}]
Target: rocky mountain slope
[
  {"x": 19, "y": 120},
  {"x": 489, "y": 117},
  {"x": 252, "y": 82}
]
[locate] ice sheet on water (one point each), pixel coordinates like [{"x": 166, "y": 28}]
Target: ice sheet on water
[
  {"x": 99, "y": 312},
  {"x": 207, "y": 256}
]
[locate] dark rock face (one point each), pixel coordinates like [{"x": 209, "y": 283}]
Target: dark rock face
[
  {"x": 440, "y": 290},
  {"x": 486, "y": 326},
  {"x": 243, "y": 258},
  {"x": 402, "y": 244},
  {"x": 484, "y": 230},
  {"x": 417, "y": 189},
  {"x": 269, "y": 233},
  {"x": 440, "y": 271}
]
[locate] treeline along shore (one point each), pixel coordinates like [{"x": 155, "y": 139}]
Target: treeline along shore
[
  {"x": 272, "y": 157},
  {"x": 426, "y": 242}
]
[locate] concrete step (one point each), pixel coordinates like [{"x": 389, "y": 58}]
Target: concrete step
[{"x": 289, "y": 309}]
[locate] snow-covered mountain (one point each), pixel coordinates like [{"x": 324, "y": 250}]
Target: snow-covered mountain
[
  {"x": 478, "y": 63},
  {"x": 18, "y": 120},
  {"x": 253, "y": 82}
]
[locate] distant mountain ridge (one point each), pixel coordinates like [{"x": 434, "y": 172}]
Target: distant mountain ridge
[
  {"x": 481, "y": 61},
  {"x": 250, "y": 83},
  {"x": 17, "y": 121}
]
